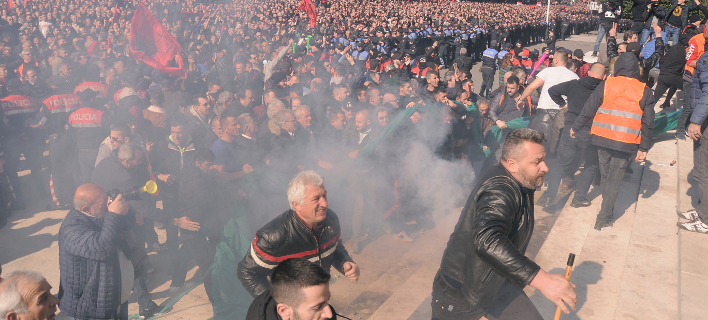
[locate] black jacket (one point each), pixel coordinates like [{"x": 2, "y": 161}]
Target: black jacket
[
  {"x": 198, "y": 199},
  {"x": 625, "y": 66},
  {"x": 171, "y": 159},
  {"x": 287, "y": 236},
  {"x": 578, "y": 91},
  {"x": 490, "y": 238},
  {"x": 645, "y": 63},
  {"x": 88, "y": 265}
]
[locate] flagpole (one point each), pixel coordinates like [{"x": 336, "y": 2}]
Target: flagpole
[{"x": 548, "y": 12}]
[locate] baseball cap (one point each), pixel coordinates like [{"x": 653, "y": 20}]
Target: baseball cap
[{"x": 578, "y": 53}]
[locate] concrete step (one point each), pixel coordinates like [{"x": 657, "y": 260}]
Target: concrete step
[
  {"x": 396, "y": 276},
  {"x": 693, "y": 271}
]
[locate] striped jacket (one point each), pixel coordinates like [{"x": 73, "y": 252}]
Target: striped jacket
[{"x": 285, "y": 237}]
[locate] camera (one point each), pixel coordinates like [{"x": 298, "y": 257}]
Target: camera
[
  {"x": 134, "y": 193},
  {"x": 130, "y": 195}
]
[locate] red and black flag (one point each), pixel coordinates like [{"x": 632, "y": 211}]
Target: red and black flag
[
  {"x": 309, "y": 7},
  {"x": 152, "y": 44}
]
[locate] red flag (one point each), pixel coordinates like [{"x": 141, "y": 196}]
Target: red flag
[
  {"x": 10, "y": 4},
  {"x": 309, "y": 7},
  {"x": 152, "y": 44},
  {"x": 115, "y": 14}
]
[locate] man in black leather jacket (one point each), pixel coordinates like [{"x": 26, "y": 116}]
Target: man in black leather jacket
[
  {"x": 308, "y": 230},
  {"x": 299, "y": 290},
  {"x": 484, "y": 269}
]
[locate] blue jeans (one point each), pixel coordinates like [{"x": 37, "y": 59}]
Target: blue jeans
[
  {"x": 601, "y": 31},
  {"x": 646, "y": 33},
  {"x": 672, "y": 32}
]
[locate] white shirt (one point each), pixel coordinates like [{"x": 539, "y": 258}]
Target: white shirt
[
  {"x": 552, "y": 76},
  {"x": 363, "y": 135}
]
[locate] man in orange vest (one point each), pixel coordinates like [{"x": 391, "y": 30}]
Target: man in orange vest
[
  {"x": 695, "y": 49},
  {"x": 622, "y": 114}
]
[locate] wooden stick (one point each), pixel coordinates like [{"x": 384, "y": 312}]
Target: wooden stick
[{"x": 568, "y": 269}]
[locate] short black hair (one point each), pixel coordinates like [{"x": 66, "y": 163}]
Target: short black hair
[
  {"x": 178, "y": 121},
  {"x": 513, "y": 80},
  {"x": 293, "y": 275},
  {"x": 516, "y": 139}
]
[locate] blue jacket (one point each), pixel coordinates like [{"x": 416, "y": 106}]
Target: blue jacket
[
  {"x": 89, "y": 285},
  {"x": 699, "y": 91}
]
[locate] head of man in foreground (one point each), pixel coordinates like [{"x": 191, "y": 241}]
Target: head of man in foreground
[
  {"x": 300, "y": 289},
  {"x": 523, "y": 155},
  {"x": 25, "y": 295}
]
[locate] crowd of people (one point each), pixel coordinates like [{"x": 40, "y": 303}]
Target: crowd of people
[{"x": 270, "y": 108}]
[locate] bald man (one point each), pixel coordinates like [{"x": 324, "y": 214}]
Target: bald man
[
  {"x": 364, "y": 216},
  {"x": 96, "y": 277},
  {"x": 26, "y": 294},
  {"x": 572, "y": 151}
]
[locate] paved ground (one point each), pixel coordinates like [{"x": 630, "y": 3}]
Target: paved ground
[{"x": 642, "y": 268}]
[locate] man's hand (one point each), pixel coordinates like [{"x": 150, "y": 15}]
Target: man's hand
[
  {"x": 354, "y": 154},
  {"x": 556, "y": 289},
  {"x": 657, "y": 29},
  {"x": 572, "y": 133},
  {"x": 613, "y": 31},
  {"x": 520, "y": 104},
  {"x": 119, "y": 206},
  {"x": 247, "y": 168},
  {"x": 351, "y": 271},
  {"x": 410, "y": 105},
  {"x": 167, "y": 178},
  {"x": 641, "y": 155},
  {"x": 501, "y": 124},
  {"x": 186, "y": 224},
  {"x": 325, "y": 165},
  {"x": 694, "y": 131}
]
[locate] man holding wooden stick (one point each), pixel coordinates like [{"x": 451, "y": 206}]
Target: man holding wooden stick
[{"x": 484, "y": 269}]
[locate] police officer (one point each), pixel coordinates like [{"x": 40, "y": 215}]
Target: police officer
[
  {"x": 90, "y": 125},
  {"x": 53, "y": 117},
  {"x": 19, "y": 138},
  {"x": 488, "y": 71}
]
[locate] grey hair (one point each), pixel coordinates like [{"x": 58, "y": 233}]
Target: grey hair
[
  {"x": 515, "y": 141},
  {"x": 223, "y": 97},
  {"x": 463, "y": 51},
  {"x": 281, "y": 117},
  {"x": 10, "y": 296},
  {"x": 245, "y": 121},
  {"x": 273, "y": 108},
  {"x": 126, "y": 151},
  {"x": 300, "y": 108},
  {"x": 296, "y": 187}
]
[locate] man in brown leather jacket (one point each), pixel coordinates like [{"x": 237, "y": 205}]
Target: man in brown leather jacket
[{"x": 484, "y": 269}]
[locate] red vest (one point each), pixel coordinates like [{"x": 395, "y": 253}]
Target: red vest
[
  {"x": 86, "y": 118},
  {"x": 95, "y": 86},
  {"x": 16, "y": 104},
  {"x": 62, "y": 103}
]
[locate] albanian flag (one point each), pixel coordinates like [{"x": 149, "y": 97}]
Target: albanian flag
[
  {"x": 10, "y": 4},
  {"x": 311, "y": 11},
  {"x": 152, "y": 44}
]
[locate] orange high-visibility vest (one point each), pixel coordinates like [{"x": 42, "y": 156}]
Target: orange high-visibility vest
[{"x": 619, "y": 118}]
